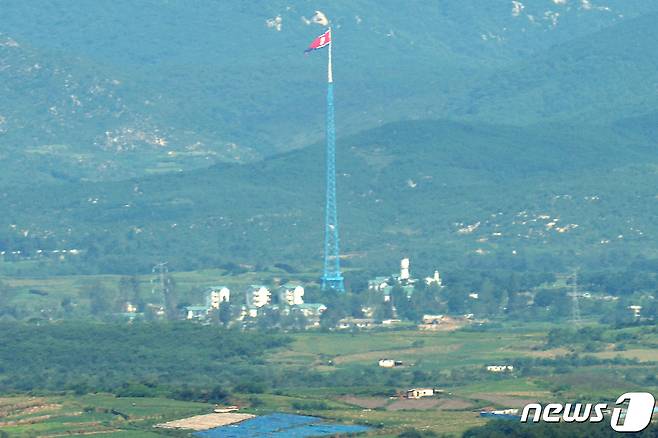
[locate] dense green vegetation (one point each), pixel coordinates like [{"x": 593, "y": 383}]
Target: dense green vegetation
[
  {"x": 412, "y": 188},
  {"x": 325, "y": 374},
  {"x": 137, "y": 360},
  {"x": 202, "y": 362}
]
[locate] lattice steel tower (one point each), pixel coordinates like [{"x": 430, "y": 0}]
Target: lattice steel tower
[
  {"x": 575, "y": 305},
  {"x": 332, "y": 279}
]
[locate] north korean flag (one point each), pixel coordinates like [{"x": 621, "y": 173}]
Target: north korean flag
[{"x": 320, "y": 42}]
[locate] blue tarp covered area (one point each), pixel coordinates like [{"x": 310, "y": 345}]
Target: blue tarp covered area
[{"x": 280, "y": 425}]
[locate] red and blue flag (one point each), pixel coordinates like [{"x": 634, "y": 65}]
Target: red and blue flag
[{"x": 320, "y": 42}]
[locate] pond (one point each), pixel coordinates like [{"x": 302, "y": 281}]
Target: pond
[{"x": 281, "y": 425}]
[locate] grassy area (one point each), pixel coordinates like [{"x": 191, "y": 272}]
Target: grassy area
[
  {"x": 69, "y": 415},
  {"x": 423, "y": 349},
  {"x": 456, "y": 358}
]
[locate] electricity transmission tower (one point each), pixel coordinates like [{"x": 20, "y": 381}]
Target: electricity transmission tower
[
  {"x": 164, "y": 285},
  {"x": 159, "y": 281},
  {"x": 575, "y": 305}
]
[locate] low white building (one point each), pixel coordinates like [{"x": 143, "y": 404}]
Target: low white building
[
  {"x": 391, "y": 321},
  {"x": 378, "y": 283},
  {"x": 350, "y": 322},
  {"x": 434, "y": 279},
  {"x": 432, "y": 319},
  {"x": 420, "y": 392},
  {"x": 389, "y": 363},
  {"x": 196, "y": 312},
  {"x": 311, "y": 310},
  {"x": 248, "y": 312},
  {"x": 636, "y": 310},
  {"x": 129, "y": 307},
  {"x": 500, "y": 368}
]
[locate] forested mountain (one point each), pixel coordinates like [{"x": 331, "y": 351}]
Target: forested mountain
[
  {"x": 124, "y": 89},
  {"x": 544, "y": 197},
  {"x": 466, "y": 130},
  {"x": 595, "y": 78}
]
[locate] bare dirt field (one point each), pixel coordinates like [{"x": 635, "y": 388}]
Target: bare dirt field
[
  {"x": 206, "y": 421},
  {"x": 644, "y": 355},
  {"x": 17, "y": 411},
  {"x": 453, "y": 404},
  {"x": 552, "y": 353},
  {"x": 423, "y": 403}
]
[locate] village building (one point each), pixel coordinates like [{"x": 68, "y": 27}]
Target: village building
[
  {"x": 291, "y": 294},
  {"x": 403, "y": 279},
  {"x": 635, "y": 309},
  {"x": 311, "y": 311},
  {"x": 386, "y": 293},
  {"x": 391, "y": 321},
  {"x": 416, "y": 393},
  {"x": 196, "y": 312},
  {"x": 434, "y": 280},
  {"x": 217, "y": 295},
  {"x": 378, "y": 283},
  {"x": 129, "y": 307},
  {"x": 157, "y": 309},
  {"x": 500, "y": 368},
  {"x": 389, "y": 363},
  {"x": 225, "y": 409},
  {"x": 404, "y": 270},
  {"x": 350, "y": 322},
  {"x": 432, "y": 319},
  {"x": 249, "y": 311},
  {"x": 130, "y": 312},
  {"x": 258, "y": 296}
]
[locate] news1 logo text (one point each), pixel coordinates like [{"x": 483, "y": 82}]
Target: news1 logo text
[{"x": 633, "y": 418}]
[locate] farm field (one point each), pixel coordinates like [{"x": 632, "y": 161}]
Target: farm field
[
  {"x": 98, "y": 414},
  {"x": 364, "y": 393}
]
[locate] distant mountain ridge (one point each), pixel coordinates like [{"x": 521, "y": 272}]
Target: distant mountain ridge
[{"x": 126, "y": 89}]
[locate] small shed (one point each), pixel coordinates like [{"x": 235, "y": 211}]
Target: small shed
[{"x": 420, "y": 392}]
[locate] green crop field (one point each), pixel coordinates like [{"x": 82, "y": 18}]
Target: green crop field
[
  {"x": 346, "y": 384},
  {"x": 82, "y": 415}
]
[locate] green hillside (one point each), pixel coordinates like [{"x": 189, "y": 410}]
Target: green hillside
[
  {"x": 149, "y": 131},
  {"x": 600, "y": 77},
  {"x": 446, "y": 193},
  {"x": 129, "y": 89}
]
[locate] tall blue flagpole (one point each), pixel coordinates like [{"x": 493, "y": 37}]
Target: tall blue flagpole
[{"x": 332, "y": 278}]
